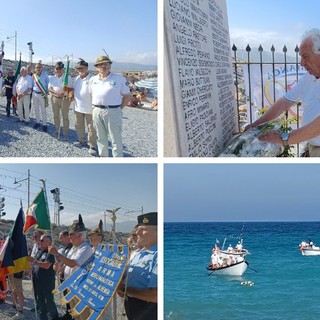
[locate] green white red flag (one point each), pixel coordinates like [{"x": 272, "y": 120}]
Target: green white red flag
[{"x": 37, "y": 214}]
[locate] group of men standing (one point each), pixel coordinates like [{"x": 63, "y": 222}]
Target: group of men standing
[
  {"x": 98, "y": 100},
  {"x": 138, "y": 286}
]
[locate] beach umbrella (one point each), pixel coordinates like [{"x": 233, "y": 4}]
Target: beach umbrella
[{"x": 151, "y": 83}]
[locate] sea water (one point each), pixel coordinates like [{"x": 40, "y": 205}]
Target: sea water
[{"x": 286, "y": 284}]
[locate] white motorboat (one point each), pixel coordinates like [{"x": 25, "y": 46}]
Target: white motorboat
[
  {"x": 235, "y": 269},
  {"x": 309, "y": 249}
]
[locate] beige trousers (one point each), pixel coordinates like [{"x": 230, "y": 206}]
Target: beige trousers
[
  {"x": 81, "y": 119},
  {"x": 108, "y": 125},
  {"x": 23, "y": 104},
  {"x": 61, "y": 105}
]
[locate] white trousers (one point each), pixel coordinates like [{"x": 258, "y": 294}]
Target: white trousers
[{"x": 39, "y": 107}]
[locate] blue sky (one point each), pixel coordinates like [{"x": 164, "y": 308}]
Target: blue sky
[
  {"x": 88, "y": 189},
  {"x": 241, "y": 192},
  {"x": 126, "y": 29},
  {"x": 270, "y": 22}
]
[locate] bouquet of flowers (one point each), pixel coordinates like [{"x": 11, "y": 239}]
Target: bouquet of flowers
[{"x": 247, "y": 144}]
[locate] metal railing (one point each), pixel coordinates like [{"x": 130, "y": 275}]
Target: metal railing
[{"x": 240, "y": 64}]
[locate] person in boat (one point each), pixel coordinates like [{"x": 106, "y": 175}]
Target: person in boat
[
  {"x": 239, "y": 246},
  {"x": 231, "y": 260},
  {"x": 214, "y": 260},
  {"x": 230, "y": 249},
  {"x": 311, "y": 243}
]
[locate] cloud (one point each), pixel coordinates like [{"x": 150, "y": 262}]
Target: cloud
[
  {"x": 242, "y": 37},
  {"x": 142, "y": 57}
]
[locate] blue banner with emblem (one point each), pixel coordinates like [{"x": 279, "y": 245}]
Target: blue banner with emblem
[{"x": 92, "y": 286}]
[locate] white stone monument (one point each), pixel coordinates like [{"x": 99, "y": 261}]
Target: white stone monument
[{"x": 200, "y": 114}]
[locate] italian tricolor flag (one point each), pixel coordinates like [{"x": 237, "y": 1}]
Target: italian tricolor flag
[{"x": 37, "y": 214}]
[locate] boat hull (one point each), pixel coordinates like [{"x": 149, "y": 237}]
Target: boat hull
[
  {"x": 237, "y": 269},
  {"x": 310, "y": 252}
]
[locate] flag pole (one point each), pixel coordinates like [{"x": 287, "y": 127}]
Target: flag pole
[
  {"x": 48, "y": 213},
  {"x": 33, "y": 289}
]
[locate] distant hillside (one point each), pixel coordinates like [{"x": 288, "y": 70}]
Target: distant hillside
[
  {"x": 128, "y": 66},
  {"x": 116, "y": 66},
  {"x": 266, "y": 55}
]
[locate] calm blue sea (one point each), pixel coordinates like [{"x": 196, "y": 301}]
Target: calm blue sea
[{"x": 287, "y": 284}]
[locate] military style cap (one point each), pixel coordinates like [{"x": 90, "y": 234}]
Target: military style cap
[
  {"x": 102, "y": 59},
  {"x": 59, "y": 65},
  {"x": 81, "y": 63},
  {"x": 98, "y": 230},
  {"x": 77, "y": 226},
  {"x": 148, "y": 219}
]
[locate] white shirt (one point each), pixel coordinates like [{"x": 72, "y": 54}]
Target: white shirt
[
  {"x": 307, "y": 90},
  {"x": 80, "y": 254},
  {"x": 56, "y": 83},
  {"x": 24, "y": 83},
  {"x": 109, "y": 90},
  {"x": 82, "y": 95}
]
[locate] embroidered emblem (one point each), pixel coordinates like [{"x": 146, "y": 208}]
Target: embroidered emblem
[{"x": 145, "y": 220}]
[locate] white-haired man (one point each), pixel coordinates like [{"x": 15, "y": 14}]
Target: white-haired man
[
  {"x": 24, "y": 88},
  {"x": 307, "y": 91}
]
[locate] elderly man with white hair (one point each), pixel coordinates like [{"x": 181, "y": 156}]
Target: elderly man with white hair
[
  {"x": 77, "y": 256},
  {"x": 306, "y": 91},
  {"x": 24, "y": 87}
]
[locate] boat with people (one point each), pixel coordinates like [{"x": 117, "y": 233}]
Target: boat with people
[
  {"x": 229, "y": 267},
  {"x": 309, "y": 248},
  {"x": 237, "y": 251}
]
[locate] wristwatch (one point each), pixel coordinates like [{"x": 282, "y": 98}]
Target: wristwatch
[{"x": 285, "y": 137}]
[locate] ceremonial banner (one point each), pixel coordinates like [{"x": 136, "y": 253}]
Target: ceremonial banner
[
  {"x": 284, "y": 79},
  {"x": 93, "y": 285}
]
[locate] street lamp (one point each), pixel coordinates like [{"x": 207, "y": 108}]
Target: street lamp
[
  {"x": 114, "y": 218},
  {"x": 15, "y": 45},
  {"x": 31, "y": 52},
  {"x": 2, "y": 205}
]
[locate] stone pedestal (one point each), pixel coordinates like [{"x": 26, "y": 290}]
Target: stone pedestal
[{"x": 199, "y": 105}]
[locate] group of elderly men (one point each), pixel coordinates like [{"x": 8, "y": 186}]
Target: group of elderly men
[
  {"x": 98, "y": 100},
  {"x": 138, "y": 287}
]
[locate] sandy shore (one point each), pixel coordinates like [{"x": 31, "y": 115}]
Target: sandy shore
[{"x": 7, "y": 311}]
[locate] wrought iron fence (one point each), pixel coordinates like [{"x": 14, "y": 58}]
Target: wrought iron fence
[{"x": 241, "y": 64}]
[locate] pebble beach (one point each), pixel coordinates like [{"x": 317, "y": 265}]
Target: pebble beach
[{"x": 20, "y": 140}]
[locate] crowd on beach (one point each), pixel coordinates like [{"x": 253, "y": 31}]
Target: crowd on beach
[
  {"x": 51, "y": 266},
  {"x": 98, "y": 102}
]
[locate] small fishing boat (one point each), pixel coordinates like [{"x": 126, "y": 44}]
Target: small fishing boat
[
  {"x": 309, "y": 249},
  {"x": 237, "y": 268},
  {"x": 237, "y": 251}
]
